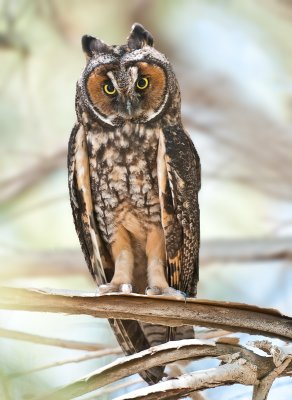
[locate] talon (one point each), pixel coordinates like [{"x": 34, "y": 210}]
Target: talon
[
  {"x": 107, "y": 288},
  {"x": 126, "y": 288},
  {"x": 173, "y": 292},
  {"x": 153, "y": 291},
  {"x": 111, "y": 288}
]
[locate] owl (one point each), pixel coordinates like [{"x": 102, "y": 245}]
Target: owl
[{"x": 134, "y": 178}]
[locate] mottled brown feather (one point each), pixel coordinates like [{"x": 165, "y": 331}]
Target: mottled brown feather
[
  {"x": 179, "y": 172},
  {"x": 129, "y": 333}
]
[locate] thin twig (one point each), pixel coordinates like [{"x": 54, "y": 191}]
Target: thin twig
[
  {"x": 84, "y": 357},
  {"x": 14, "y": 185},
  {"x": 49, "y": 202},
  {"x": 68, "y": 344},
  {"x": 113, "y": 388}
]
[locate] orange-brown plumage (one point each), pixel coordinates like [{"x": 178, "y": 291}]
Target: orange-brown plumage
[
  {"x": 95, "y": 83},
  {"x": 157, "y": 82}
]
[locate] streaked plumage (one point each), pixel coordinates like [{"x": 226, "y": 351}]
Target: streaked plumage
[{"x": 134, "y": 177}]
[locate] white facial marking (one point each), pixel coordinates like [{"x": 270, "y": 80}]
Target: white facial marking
[
  {"x": 112, "y": 78},
  {"x": 129, "y": 107},
  {"x": 133, "y": 72},
  {"x": 153, "y": 115}
]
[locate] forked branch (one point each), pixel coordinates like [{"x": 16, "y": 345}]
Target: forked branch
[{"x": 241, "y": 366}]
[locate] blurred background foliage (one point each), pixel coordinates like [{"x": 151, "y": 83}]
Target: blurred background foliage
[{"x": 233, "y": 59}]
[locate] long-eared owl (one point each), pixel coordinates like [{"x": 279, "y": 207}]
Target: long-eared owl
[{"x": 134, "y": 177}]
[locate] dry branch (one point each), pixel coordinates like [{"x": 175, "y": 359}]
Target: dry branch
[
  {"x": 228, "y": 374},
  {"x": 160, "y": 355},
  {"x": 282, "y": 358},
  {"x": 246, "y": 250},
  {"x": 153, "y": 309},
  {"x": 36, "y": 339},
  {"x": 258, "y": 371},
  {"x": 85, "y": 357},
  {"x": 25, "y": 179},
  {"x": 43, "y": 263},
  {"x": 111, "y": 389},
  {"x": 211, "y": 334},
  {"x": 60, "y": 262}
]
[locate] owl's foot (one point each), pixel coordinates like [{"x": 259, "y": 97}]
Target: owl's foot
[
  {"x": 126, "y": 288},
  {"x": 111, "y": 288},
  {"x": 153, "y": 291},
  {"x": 174, "y": 293},
  {"x": 169, "y": 291}
]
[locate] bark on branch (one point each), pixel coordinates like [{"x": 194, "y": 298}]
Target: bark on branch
[
  {"x": 158, "y": 310},
  {"x": 241, "y": 365},
  {"x": 239, "y": 372},
  {"x": 239, "y": 360}
]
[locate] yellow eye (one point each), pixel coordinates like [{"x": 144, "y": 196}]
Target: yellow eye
[
  {"x": 109, "y": 89},
  {"x": 142, "y": 83}
]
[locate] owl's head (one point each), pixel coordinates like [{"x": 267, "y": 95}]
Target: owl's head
[{"x": 132, "y": 82}]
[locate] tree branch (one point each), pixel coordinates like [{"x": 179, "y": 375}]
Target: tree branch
[
  {"x": 282, "y": 358},
  {"x": 242, "y": 365},
  {"x": 85, "y": 357},
  {"x": 68, "y": 344},
  {"x": 15, "y": 185},
  {"x": 152, "y": 309},
  {"x": 111, "y": 389},
  {"x": 59, "y": 262},
  {"x": 211, "y": 334},
  {"x": 191, "y": 349},
  {"x": 228, "y": 374},
  {"x": 244, "y": 250}
]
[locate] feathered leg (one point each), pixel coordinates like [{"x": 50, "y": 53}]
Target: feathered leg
[{"x": 124, "y": 263}]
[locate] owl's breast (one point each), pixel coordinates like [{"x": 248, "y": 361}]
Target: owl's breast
[{"x": 123, "y": 169}]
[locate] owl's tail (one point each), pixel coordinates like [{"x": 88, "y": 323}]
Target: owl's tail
[
  {"x": 134, "y": 337},
  {"x": 158, "y": 334}
]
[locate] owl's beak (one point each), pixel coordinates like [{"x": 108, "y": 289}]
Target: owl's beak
[
  {"x": 129, "y": 106},
  {"x": 129, "y": 101}
]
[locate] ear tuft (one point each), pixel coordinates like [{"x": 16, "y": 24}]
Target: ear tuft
[
  {"x": 139, "y": 37},
  {"x": 91, "y": 45}
]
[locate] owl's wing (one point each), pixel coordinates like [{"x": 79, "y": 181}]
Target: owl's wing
[
  {"x": 128, "y": 333},
  {"x": 93, "y": 248},
  {"x": 179, "y": 179}
]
